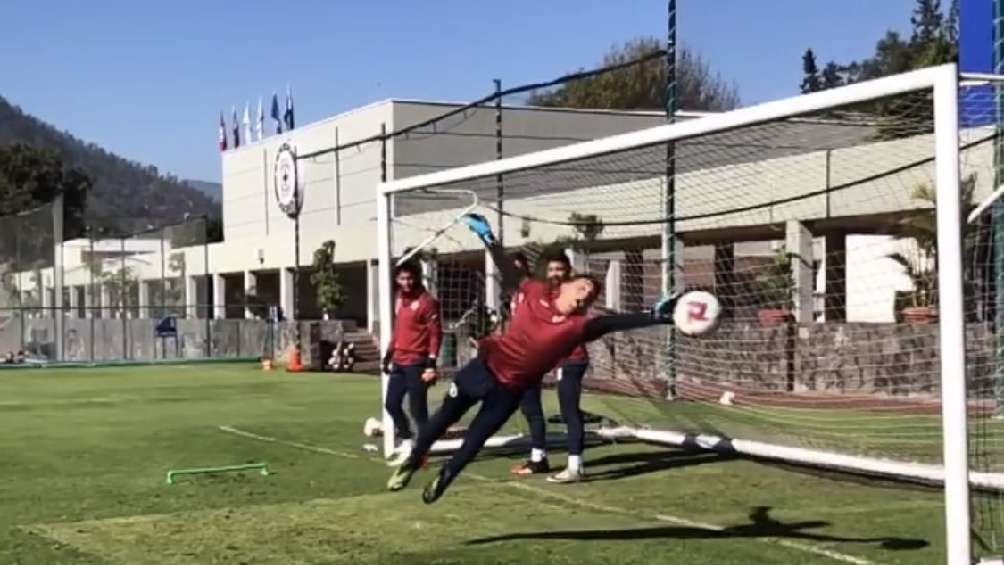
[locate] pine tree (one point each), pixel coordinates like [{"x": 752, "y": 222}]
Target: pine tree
[
  {"x": 927, "y": 22},
  {"x": 810, "y": 80},
  {"x": 831, "y": 76}
]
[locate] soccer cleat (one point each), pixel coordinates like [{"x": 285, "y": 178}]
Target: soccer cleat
[
  {"x": 436, "y": 488},
  {"x": 532, "y": 468},
  {"x": 567, "y": 476},
  {"x": 402, "y": 476}
]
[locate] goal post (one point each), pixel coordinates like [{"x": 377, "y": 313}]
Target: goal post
[{"x": 840, "y": 176}]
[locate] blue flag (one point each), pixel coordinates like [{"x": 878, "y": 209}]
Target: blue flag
[{"x": 275, "y": 113}]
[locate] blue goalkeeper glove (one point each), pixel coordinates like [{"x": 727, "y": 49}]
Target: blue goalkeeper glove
[
  {"x": 663, "y": 309},
  {"x": 481, "y": 228}
]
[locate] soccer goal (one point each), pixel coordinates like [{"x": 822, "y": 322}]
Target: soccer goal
[{"x": 848, "y": 236}]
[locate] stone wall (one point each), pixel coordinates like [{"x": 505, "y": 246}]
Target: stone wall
[{"x": 898, "y": 360}]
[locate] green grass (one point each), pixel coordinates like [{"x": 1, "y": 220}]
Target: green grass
[{"x": 86, "y": 452}]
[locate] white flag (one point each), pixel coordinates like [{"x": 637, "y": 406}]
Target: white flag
[
  {"x": 259, "y": 127},
  {"x": 247, "y": 123}
]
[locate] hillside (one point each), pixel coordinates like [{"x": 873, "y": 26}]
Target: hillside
[{"x": 127, "y": 195}]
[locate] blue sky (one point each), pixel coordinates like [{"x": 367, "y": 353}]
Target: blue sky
[{"x": 147, "y": 79}]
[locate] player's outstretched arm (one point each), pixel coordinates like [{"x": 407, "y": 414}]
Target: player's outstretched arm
[
  {"x": 660, "y": 313},
  {"x": 481, "y": 228}
]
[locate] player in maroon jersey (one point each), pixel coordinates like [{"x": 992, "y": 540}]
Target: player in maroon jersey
[
  {"x": 410, "y": 361},
  {"x": 547, "y": 326},
  {"x": 557, "y": 268}
]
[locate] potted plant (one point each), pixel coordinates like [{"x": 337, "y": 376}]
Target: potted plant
[
  {"x": 920, "y": 258},
  {"x": 775, "y": 287}
]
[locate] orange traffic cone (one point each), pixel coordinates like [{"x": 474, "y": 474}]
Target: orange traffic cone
[{"x": 294, "y": 365}]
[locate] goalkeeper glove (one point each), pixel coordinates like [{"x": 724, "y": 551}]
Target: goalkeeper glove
[
  {"x": 663, "y": 309},
  {"x": 481, "y": 228}
]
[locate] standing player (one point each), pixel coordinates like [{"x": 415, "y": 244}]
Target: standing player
[
  {"x": 544, "y": 330},
  {"x": 557, "y": 270},
  {"x": 410, "y": 361}
]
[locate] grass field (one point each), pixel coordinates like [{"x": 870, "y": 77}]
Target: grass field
[{"x": 86, "y": 452}]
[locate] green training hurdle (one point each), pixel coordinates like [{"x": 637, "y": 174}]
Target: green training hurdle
[{"x": 263, "y": 467}]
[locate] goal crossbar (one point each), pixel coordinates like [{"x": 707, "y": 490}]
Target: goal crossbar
[{"x": 713, "y": 123}]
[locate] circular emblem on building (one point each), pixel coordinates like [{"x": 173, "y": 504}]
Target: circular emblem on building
[{"x": 288, "y": 181}]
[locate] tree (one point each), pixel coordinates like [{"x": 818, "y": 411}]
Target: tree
[
  {"x": 31, "y": 178},
  {"x": 933, "y": 41},
  {"x": 330, "y": 294},
  {"x": 831, "y": 76},
  {"x": 643, "y": 85},
  {"x": 927, "y": 21},
  {"x": 810, "y": 80}
]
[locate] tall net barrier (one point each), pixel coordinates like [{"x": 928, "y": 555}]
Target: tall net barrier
[
  {"x": 816, "y": 231},
  {"x": 27, "y": 258},
  {"x": 108, "y": 297},
  {"x": 982, "y": 159}
]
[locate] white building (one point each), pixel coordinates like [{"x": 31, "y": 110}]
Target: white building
[{"x": 256, "y": 257}]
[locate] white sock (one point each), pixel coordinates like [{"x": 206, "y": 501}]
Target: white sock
[
  {"x": 405, "y": 447},
  {"x": 537, "y": 455},
  {"x": 575, "y": 463}
]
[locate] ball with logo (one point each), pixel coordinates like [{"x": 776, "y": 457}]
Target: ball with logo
[{"x": 697, "y": 313}]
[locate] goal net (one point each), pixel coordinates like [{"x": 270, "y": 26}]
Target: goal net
[{"x": 814, "y": 220}]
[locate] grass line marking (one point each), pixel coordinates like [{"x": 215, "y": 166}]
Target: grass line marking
[{"x": 808, "y": 548}]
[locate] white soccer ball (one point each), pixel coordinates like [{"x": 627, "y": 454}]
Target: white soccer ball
[
  {"x": 373, "y": 427},
  {"x": 697, "y": 312}
]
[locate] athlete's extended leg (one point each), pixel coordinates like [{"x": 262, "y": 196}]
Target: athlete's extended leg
[
  {"x": 497, "y": 406},
  {"x": 464, "y": 392}
]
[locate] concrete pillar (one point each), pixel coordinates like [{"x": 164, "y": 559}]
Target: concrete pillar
[
  {"x": 835, "y": 277},
  {"x": 372, "y": 296},
  {"x": 74, "y": 302},
  {"x": 612, "y": 285},
  {"x": 798, "y": 240},
  {"x": 430, "y": 275},
  {"x": 219, "y": 297},
  {"x": 725, "y": 276},
  {"x": 286, "y": 293},
  {"x": 491, "y": 284},
  {"x": 191, "y": 297},
  {"x": 144, "y": 300},
  {"x": 106, "y": 303},
  {"x": 250, "y": 284}
]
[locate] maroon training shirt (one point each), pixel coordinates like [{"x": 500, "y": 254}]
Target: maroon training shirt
[
  {"x": 537, "y": 339},
  {"x": 418, "y": 330},
  {"x": 578, "y": 355}
]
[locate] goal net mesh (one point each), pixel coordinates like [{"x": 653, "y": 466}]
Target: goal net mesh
[{"x": 817, "y": 234}]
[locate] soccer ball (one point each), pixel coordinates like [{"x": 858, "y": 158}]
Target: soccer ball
[
  {"x": 372, "y": 428},
  {"x": 697, "y": 313}
]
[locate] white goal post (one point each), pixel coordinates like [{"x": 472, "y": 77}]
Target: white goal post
[{"x": 942, "y": 83}]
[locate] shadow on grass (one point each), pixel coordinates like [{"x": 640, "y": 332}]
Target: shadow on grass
[
  {"x": 761, "y": 526},
  {"x": 641, "y": 463}
]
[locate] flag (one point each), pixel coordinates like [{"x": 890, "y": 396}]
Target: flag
[
  {"x": 260, "y": 124},
  {"x": 288, "y": 116},
  {"x": 237, "y": 130},
  {"x": 275, "y": 113},
  {"x": 247, "y": 123},
  {"x": 223, "y": 133}
]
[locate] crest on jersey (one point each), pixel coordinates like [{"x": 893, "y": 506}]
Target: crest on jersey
[{"x": 454, "y": 391}]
